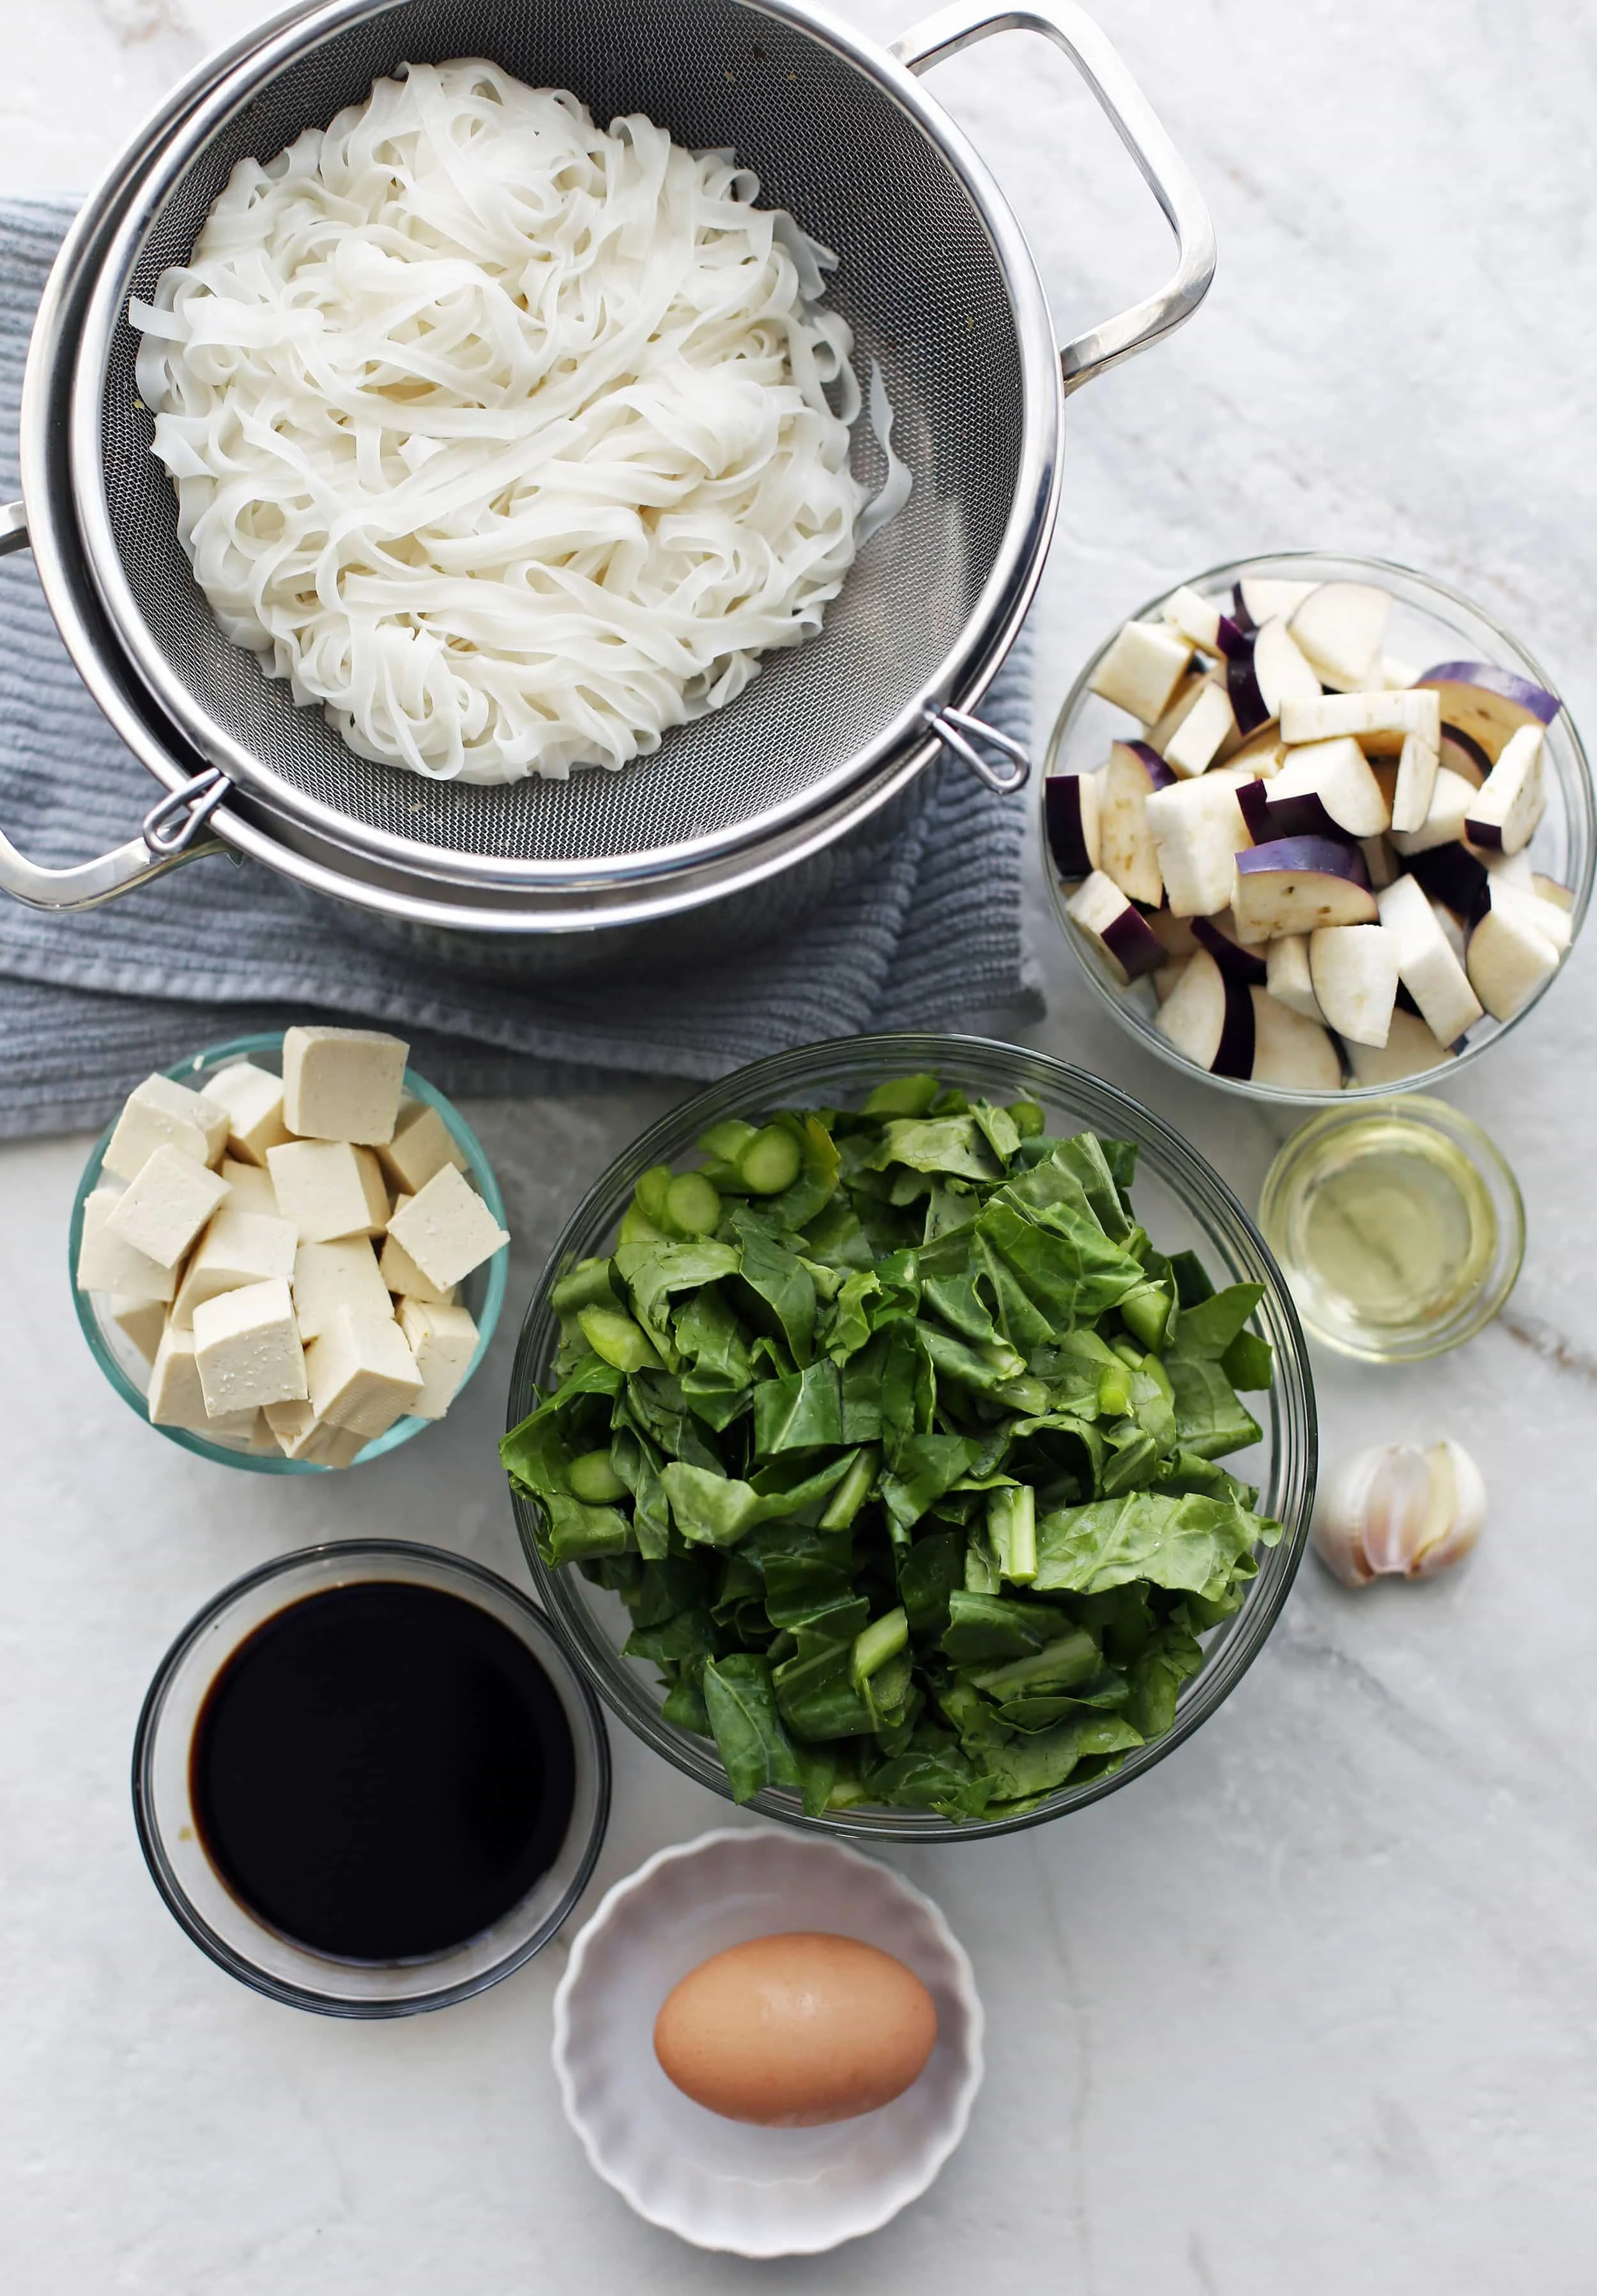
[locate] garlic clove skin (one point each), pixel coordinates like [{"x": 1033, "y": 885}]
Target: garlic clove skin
[{"x": 1399, "y": 1511}]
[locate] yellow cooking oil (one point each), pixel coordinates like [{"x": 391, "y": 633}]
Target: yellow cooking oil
[{"x": 1390, "y": 1228}]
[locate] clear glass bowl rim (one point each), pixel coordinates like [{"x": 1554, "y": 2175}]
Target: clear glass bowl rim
[
  {"x": 1577, "y": 794},
  {"x": 1421, "y": 1108},
  {"x": 467, "y": 1575},
  {"x": 184, "y": 1072},
  {"x": 852, "y": 1063}
]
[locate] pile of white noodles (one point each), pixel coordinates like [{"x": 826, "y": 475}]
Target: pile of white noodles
[{"x": 505, "y": 437}]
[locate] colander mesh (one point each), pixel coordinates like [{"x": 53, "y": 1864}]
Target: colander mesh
[{"x": 920, "y": 283}]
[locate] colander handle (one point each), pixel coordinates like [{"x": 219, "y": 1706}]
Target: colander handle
[
  {"x": 1166, "y": 172},
  {"x": 169, "y": 836}
]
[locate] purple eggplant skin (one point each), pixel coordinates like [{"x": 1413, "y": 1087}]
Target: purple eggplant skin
[
  {"x": 1520, "y": 691},
  {"x": 1328, "y": 856},
  {"x": 1471, "y": 747},
  {"x": 1067, "y": 831},
  {"x": 1301, "y": 815},
  {"x": 1133, "y": 942},
  {"x": 1235, "y": 961},
  {"x": 1451, "y": 875},
  {"x": 1159, "y": 774},
  {"x": 1234, "y": 1054},
  {"x": 1234, "y": 639},
  {"x": 1253, "y": 801},
  {"x": 1240, "y": 617},
  {"x": 1242, "y": 690}
]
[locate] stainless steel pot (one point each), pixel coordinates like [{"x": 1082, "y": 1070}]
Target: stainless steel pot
[{"x": 828, "y": 749}]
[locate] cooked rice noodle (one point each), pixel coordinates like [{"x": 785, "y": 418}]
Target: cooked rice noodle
[{"x": 505, "y": 437}]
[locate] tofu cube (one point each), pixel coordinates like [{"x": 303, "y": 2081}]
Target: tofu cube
[
  {"x": 141, "y": 1321},
  {"x": 342, "y": 1083},
  {"x": 328, "y": 1189},
  {"x": 446, "y": 1229},
  {"x": 299, "y": 1434},
  {"x": 362, "y": 1374},
  {"x": 176, "y": 1397},
  {"x": 246, "y": 1346},
  {"x": 251, "y": 1186},
  {"x": 254, "y": 1103},
  {"x": 160, "y": 1114},
  {"x": 422, "y": 1146},
  {"x": 238, "y": 1248},
  {"x": 328, "y": 1276},
  {"x": 1143, "y": 669},
  {"x": 161, "y": 1211},
  {"x": 106, "y": 1263},
  {"x": 443, "y": 1341},
  {"x": 328, "y": 1446},
  {"x": 402, "y": 1275}
]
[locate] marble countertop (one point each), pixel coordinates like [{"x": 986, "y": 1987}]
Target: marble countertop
[{"x": 1313, "y": 2007}]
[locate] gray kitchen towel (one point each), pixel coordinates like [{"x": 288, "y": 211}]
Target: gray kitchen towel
[{"x": 90, "y": 1003}]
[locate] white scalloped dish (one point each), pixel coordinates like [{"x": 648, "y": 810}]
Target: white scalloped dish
[{"x": 722, "y": 2183}]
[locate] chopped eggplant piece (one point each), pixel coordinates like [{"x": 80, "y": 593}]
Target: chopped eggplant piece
[
  {"x": 1167, "y": 977},
  {"x": 1202, "y": 733},
  {"x": 1288, "y": 977},
  {"x": 1339, "y": 630},
  {"x": 1354, "y": 971},
  {"x": 1450, "y": 802},
  {"x": 1259, "y": 599},
  {"x": 1380, "y": 722},
  {"x": 1118, "y": 931},
  {"x": 1200, "y": 621},
  {"x": 1142, "y": 669},
  {"x": 1417, "y": 768},
  {"x": 1070, "y": 811},
  {"x": 1548, "y": 918},
  {"x": 1297, "y": 884},
  {"x": 1464, "y": 756},
  {"x": 1174, "y": 933},
  {"x": 1454, "y": 875},
  {"x": 1208, "y": 1016},
  {"x": 1509, "y": 959},
  {"x": 1487, "y": 703},
  {"x": 1427, "y": 964},
  {"x": 1290, "y": 1051},
  {"x": 1380, "y": 860},
  {"x": 1336, "y": 777},
  {"x": 1192, "y": 825},
  {"x": 1217, "y": 934},
  {"x": 1410, "y": 1051},
  {"x": 1126, "y": 846},
  {"x": 1506, "y": 808}
]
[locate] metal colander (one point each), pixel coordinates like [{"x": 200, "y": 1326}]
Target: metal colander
[{"x": 935, "y": 281}]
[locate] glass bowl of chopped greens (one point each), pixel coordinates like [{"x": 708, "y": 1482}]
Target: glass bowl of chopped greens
[{"x": 884, "y": 1469}]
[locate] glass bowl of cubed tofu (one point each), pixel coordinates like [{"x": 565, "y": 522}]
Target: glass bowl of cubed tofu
[
  {"x": 288, "y": 1251},
  {"x": 1316, "y": 826}
]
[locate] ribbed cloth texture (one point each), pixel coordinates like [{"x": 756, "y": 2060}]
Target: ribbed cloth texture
[{"x": 90, "y": 1003}]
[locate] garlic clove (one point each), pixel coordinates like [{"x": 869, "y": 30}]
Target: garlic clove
[
  {"x": 1398, "y": 1500},
  {"x": 1399, "y": 1511},
  {"x": 1458, "y": 1510}
]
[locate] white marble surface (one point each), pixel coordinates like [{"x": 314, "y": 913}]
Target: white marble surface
[{"x": 1313, "y": 2007}]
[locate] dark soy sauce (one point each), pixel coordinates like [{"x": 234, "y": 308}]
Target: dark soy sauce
[{"x": 380, "y": 1771}]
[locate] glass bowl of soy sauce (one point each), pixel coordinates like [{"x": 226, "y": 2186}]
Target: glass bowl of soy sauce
[{"x": 368, "y": 1782}]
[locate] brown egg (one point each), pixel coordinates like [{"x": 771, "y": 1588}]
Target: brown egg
[{"x": 796, "y": 2029}]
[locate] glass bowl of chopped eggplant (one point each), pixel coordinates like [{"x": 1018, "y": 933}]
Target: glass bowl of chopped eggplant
[
  {"x": 883, "y": 1467},
  {"x": 1317, "y": 826}
]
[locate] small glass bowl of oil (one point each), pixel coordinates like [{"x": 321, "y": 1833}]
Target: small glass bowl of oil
[{"x": 1399, "y": 1228}]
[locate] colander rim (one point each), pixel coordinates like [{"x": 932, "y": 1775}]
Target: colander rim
[{"x": 155, "y": 162}]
